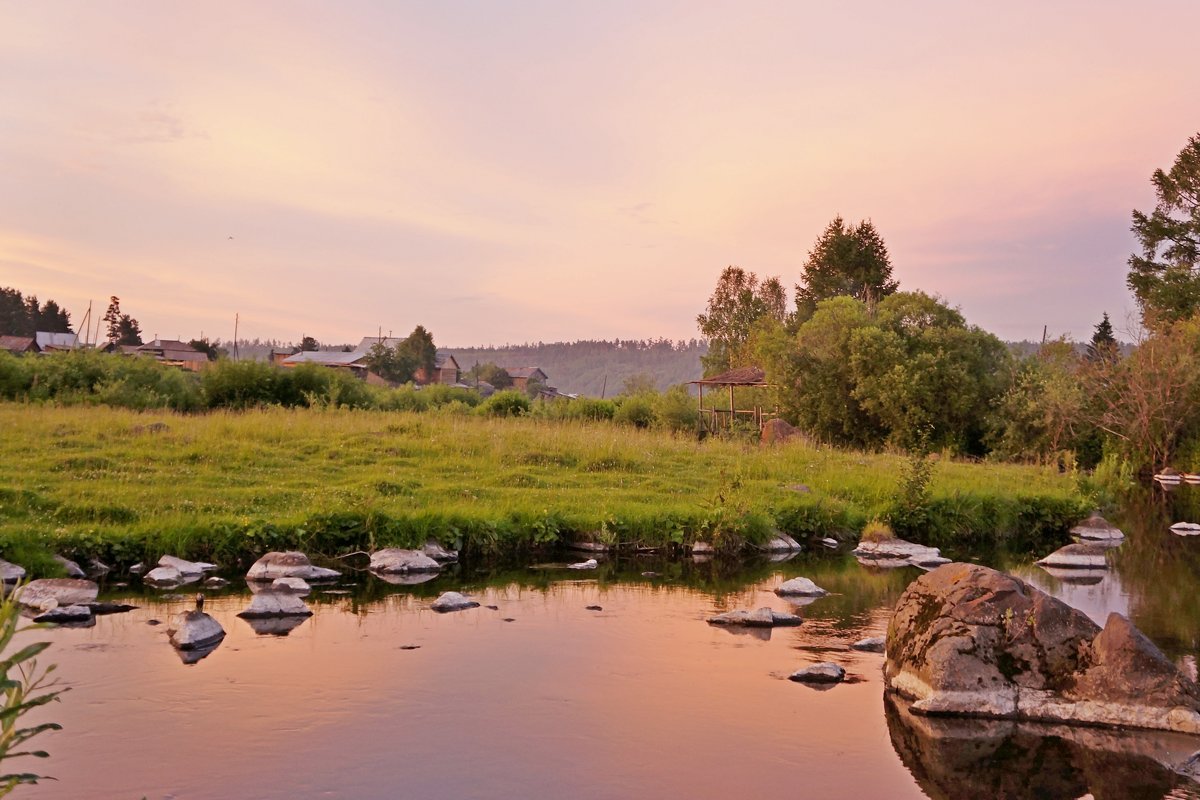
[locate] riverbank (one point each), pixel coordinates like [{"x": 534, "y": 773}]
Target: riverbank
[{"x": 124, "y": 486}]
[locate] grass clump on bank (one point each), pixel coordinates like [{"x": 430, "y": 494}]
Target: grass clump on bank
[{"x": 124, "y": 486}]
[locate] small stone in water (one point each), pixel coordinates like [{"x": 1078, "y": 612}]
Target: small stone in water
[
  {"x": 410, "y": 647},
  {"x": 509, "y": 619},
  {"x": 595, "y": 608},
  {"x": 493, "y": 608},
  {"x": 154, "y": 622}
]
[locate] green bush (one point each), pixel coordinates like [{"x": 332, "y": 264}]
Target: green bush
[
  {"x": 509, "y": 403},
  {"x": 637, "y": 411}
]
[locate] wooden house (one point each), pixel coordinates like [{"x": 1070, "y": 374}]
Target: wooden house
[
  {"x": 19, "y": 345},
  {"x": 521, "y": 376}
]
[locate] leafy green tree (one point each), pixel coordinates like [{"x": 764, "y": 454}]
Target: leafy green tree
[
  {"x": 1044, "y": 412},
  {"x": 736, "y": 306},
  {"x": 205, "y": 346},
  {"x": 913, "y": 373},
  {"x": 846, "y": 260},
  {"x": 394, "y": 364},
  {"x": 1103, "y": 346},
  {"x": 309, "y": 345},
  {"x": 490, "y": 373},
  {"x": 420, "y": 347},
  {"x": 1165, "y": 277}
]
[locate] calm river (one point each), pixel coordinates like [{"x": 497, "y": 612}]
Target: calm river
[{"x": 376, "y": 696}]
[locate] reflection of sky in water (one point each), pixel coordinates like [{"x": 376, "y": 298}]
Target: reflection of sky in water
[
  {"x": 641, "y": 698},
  {"x": 1096, "y": 600}
]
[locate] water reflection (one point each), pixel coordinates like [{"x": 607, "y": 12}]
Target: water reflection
[
  {"x": 274, "y": 626},
  {"x": 1003, "y": 760}
]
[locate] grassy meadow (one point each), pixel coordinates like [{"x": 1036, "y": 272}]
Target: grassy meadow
[{"x": 125, "y": 486}]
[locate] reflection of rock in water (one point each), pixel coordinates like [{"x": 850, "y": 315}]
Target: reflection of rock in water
[
  {"x": 406, "y": 578},
  {"x": 274, "y": 626},
  {"x": 194, "y": 655},
  {"x": 1001, "y": 759},
  {"x": 1077, "y": 576}
]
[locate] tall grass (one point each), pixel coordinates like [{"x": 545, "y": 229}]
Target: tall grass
[{"x": 122, "y": 485}]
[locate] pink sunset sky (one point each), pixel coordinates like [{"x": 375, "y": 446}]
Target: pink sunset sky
[{"x": 522, "y": 171}]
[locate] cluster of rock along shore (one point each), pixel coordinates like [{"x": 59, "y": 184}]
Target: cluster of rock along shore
[{"x": 278, "y": 581}]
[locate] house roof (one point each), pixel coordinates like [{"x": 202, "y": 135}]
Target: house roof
[
  {"x": 329, "y": 358},
  {"x": 171, "y": 350},
  {"x": 529, "y": 373},
  {"x": 56, "y": 340},
  {"x": 18, "y": 344},
  {"x": 742, "y": 376}
]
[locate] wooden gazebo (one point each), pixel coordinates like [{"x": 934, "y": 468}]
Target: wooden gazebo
[{"x": 714, "y": 420}]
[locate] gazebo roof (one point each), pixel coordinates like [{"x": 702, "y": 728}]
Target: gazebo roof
[{"x": 742, "y": 376}]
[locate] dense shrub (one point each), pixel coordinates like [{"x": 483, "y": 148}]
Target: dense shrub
[{"x": 509, "y": 403}]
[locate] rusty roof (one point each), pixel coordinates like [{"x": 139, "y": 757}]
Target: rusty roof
[{"x": 742, "y": 376}]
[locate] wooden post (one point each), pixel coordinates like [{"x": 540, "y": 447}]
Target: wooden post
[
  {"x": 732, "y": 415},
  {"x": 700, "y": 406}
]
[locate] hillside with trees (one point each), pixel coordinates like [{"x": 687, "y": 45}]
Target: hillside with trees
[{"x": 596, "y": 367}]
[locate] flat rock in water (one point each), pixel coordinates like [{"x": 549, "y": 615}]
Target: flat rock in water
[
  {"x": 1186, "y": 529},
  {"x": 73, "y": 570},
  {"x": 188, "y": 568},
  {"x": 825, "y": 672},
  {"x": 434, "y": 550},
  {"x": 830, "y": 542},
  {"x": 589, "y": 544},
  {"x": 702, "y": 549},
  {"x": 214, "y": 582},
  {"x": 968, "y": 640},
  {"x": 872, "y": 644},
  {"x": 291, "y": 564},
  {"x": 10, "y": 572},
  {"x": 274, "y": 626},
  {"x": 276, "y": 604},
  {"x": 395, "y": 559},
  {"x": 760, "y": 618},
  {"x": 800, "y": 587},
  {"x": 1097, "y": 528},
  {"x": 194, "y": 630},
  {"x": 781, "y": 543},
  {"x": 453, "y": 601},
  {"x": 405, "y": 578},
  {"x": 98, "y": 567},
  {"x": 65, "y": 614},
  {"x": 110, "y": 608},
  {"x": 1077, "y": 556},
  {"x": 62, "y": 591},
  {"x": 293, "y": 585},
  {"x": 591, "y": 563},
  {"x": 168, "y": 578},
  {"x": 887, "y": 552},
  {"x": 137, "y": 569}
]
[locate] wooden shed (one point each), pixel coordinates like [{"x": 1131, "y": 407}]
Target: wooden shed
[{"x": 716, "y": 419}]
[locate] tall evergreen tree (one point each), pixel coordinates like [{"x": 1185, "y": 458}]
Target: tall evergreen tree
[
  {"x": 1165, "y": 277},
  {"x": 846, "y": 260},
  {"x": 122, "y": 328},
  {"x": 1103, "y": 346}
]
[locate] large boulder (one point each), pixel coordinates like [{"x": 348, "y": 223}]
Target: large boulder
[
  {"x": 48, "y": 593},
  {"x": 194, "y": 630},
  {"x": 395, "y": 559},
  {"x": 968, "y": 640},
  {"x": 288, "y": 565},
  {"x": 777, "y": 431}
]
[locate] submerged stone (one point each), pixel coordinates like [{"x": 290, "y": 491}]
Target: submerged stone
[
  {"x": 872, "y": 644},
  {"x": 61, "y": 591},
  {"x": 395, "y": 559},
  {"x": 194, "y": 630},
  {"x": 291, "y": 564},
  {"x": 761, "y": 618},
  {"x": 1077, "y": 556},
  {"x": 1097, "y": 528},
  {"x": 276, "y": 604},
  {"x": 825, "y": 672},
  {"x": 800, "y": 587},
  {"x": 453, "y": 601}
]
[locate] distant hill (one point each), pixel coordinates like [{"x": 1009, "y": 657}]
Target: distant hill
[{"x": 592, "y": 367}]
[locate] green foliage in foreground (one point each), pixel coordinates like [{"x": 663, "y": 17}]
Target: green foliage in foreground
[
  {"x": 21, "y": 683},
  {"x": 125, "y": 486}
]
